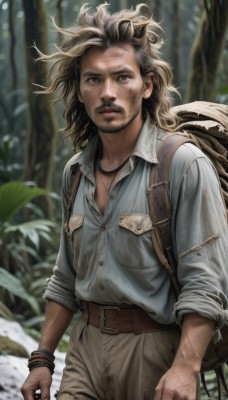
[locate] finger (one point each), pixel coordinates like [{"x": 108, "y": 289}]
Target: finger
[
  {"x": 158, "y": 394},
  {"x": 28, "y": 393},
  {"x": 45, "y": 394}
]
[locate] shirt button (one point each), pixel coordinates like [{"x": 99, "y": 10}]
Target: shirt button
[
  {"x": 139, "y": 228},
  {"x": 101, "y": 263},
  {"x": 103, "y": 228}
]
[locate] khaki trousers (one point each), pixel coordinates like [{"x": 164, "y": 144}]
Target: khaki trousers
[{"x": 126, "y": 366}]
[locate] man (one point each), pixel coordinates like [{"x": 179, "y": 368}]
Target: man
[{"x": 127, "y": 344}]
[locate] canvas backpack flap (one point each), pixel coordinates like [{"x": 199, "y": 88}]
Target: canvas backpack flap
[
  {"x": 203, "y": 110},
  {"x": 207, "y": 124}
]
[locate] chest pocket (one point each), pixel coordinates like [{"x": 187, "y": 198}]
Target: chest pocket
[
  {"x": 80, "y": 248},
  {"x": 75, "y": 222},
  {"x": 134, "y": 243},
  {"x": 136, "y": 223},
  {"x": 75, "y": 231}
]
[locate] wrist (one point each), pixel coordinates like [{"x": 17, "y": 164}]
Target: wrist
[
  {"x": 41, "y": 358},
  {"x": 192, "y": 364},
  {"x": 45, "y": 352}
]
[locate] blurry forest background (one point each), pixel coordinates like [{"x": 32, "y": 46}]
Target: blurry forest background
[{"x": 33, "y": 151}]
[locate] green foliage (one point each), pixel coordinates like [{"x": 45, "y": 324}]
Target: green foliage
[
  {"x": 32, "y": 230},
  {"x": 222, "y": 95},
  {"x": 19, "y": 245},
  {"x": 223, "y": 90},
  {"x": 14, "y": 286},
  {"x": 24, "y": 235},
  {"x": 6, "y": 167},
  {"x": 5, "y": 312},
  {"x": 14, "y": 195}
]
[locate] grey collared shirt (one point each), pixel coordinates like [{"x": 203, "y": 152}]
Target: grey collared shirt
[{"x": 110, "y": 258}]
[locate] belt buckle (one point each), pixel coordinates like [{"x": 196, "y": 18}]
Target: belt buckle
[{"x": 103, "y": 328}]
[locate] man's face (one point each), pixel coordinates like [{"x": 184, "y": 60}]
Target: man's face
[{"x": 112, "y": 89}]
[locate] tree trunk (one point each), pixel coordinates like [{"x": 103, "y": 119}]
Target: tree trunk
[
  {"x": 206, "y": 51},
  {"x": 123, "y": 4},
  {"x": 42, "y": 125},
  {"x": 59, "y": 17},
  {"x": 14, "y": 97},
  {"x": 175, "y": 41},
  {"x": 155, "y": 7}
]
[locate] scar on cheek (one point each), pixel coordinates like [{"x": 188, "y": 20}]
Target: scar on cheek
[{"x": 132, "y": 92}]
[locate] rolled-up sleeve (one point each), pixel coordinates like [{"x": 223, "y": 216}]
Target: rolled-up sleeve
[
  {"x": 61, "y": 285},
  {"x": 200, "y": 235}
]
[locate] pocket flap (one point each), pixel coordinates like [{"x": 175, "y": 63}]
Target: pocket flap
[
  {"x": 75, "y": 222},
  {"x": 136, "y": 223}
]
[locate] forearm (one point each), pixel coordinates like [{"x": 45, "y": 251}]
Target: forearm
[
  {"x": 57, "y": 319},
  {"x": 195, "y": 337},
  {"x": 180, "y": 381}
]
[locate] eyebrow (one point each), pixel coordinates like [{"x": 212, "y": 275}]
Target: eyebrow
[{"x": 118, "y": 72}]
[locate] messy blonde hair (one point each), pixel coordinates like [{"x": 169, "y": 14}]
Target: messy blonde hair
[{"x": 102, "y": 29}]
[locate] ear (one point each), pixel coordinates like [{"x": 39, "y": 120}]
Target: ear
[
  {"x": 147, "y": 86},
  {"x": 78, "y": 90},
  {"x": 80, "y": 96}
]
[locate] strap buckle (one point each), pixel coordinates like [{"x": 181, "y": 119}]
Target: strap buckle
[{"x": 103, "y": 328}]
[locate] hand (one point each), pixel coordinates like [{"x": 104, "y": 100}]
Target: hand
[
  {"x": 176, "y": 384},
  {"x": 39, "y": 378}
]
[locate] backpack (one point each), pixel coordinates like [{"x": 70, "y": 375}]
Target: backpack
[{"x": 206, "y": 125}]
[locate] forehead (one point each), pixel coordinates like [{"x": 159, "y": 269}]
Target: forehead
[{"x": 114, "y": 58}]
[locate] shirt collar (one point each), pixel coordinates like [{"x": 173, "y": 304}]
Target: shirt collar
[
  {"x": 145, "y": 147},
  {"x": 86, "y": 158}
]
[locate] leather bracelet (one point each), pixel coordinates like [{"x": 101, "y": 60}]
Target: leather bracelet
[
  {"x": 44, "y": 352},
  {"x": 39, "y": 361},
  {"x": 41, "y": 358},
  {"x": 36, "y": 364}
]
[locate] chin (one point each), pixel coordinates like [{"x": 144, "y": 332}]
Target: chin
[{"x": 112, "y": 129}]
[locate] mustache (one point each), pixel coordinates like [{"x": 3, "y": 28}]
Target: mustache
[{"x": 108, "y": 104}]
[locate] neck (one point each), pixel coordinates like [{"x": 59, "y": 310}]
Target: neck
[
  {"x": 117, "y": 147},
  {"x": 112, "y": 171}
]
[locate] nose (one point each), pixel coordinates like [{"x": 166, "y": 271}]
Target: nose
[{"x": 108, "y": 92}]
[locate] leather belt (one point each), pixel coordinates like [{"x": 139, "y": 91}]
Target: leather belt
[{"x": 114, "y": 319}]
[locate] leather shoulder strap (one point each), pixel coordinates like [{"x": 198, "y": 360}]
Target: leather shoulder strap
[
  {"x": 159, "y": 204},
  {"x": 75, "y": 179}
]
